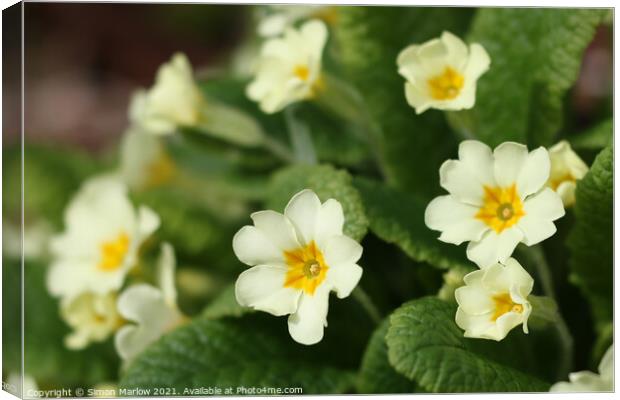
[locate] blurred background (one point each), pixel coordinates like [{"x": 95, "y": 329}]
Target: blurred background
[{"x": 84, "y": 60}]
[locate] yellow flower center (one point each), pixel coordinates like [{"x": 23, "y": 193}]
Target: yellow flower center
[
  {"x": 113, "y": 252},
  {"x": 446, "y": 85},
  {"x": 502, "y": 208},
  {"x": 504, "y": 304},
  {"x": 302, "y": 72},
  {"x": 306, "y": 268}
]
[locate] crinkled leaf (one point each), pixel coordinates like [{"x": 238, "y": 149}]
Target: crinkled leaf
[
  {"x": 590, "y": 242},
  {"x": 376, "y": 374},
  {"x": 398, "y": 217},
  {"x": 231, "y": 353},
  {"x": 327, "y": 182},
  {"x": 426, "y": 345},
  {"x": 411, "y": 147},
  {"x": 536, "y": 55}
]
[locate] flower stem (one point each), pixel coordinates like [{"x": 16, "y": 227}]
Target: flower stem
[
  {"x": 301, "y": 139},
  {"x": 278, "y": 149},
  {"x": 366, "y": 302},
  {"x": 536, "y": 255}
]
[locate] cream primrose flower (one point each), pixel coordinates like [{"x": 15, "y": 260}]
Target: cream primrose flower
[
  {"x": 494, "y": 300},
  {"x": 497, "y": 199},
  {"x": 566, "y": 169},
  {"x": 297, "y": 258},
  {"x": 103, "y": 232},
  {"x": 442, "y": 73},
  {"x": 173, "y": 101},
  {"x": 285, "y": 16},
  {"x": 93, "y": 318},
  {"x": 154, "y": 310},
  {"x": 144, "y": 161},
  {"x": 289, "y": 68},
  {"x": 587, "y": 381}
]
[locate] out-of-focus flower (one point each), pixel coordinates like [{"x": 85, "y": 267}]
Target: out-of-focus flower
[
  {"x": 144, "y": 161},
  {"x": 289, "y": 68},
  {"x": 442, "y": 73},
  {"x": 36, "y": 239},
  {"x": 566, "y": 169},
  {"x": 173, "y": 101},
  {"x": 452, "y": 280},
  {"x": 14, "y": 385},
  {"x": 497, "y": 199},
  {"x": 93, "y": 318},
  {"x": 153, "y": 310},
  {"x": 587, "y": 381},
  {"x": 103, "y": 232},
  {"x": 284, "y": 16},
  {"x": 297, "y": 258},
  {"x": 494, "y": 300}
]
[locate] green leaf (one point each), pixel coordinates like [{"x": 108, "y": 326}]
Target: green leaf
[
  {"x": 225, "y": 305},
  {"x": 376, "y": 375},
  {"x": 426, "y": 345},
  {"x": 536, "y": 55},
  {"x": 231, "y": 353},
  {"x": 590, "y": 242},
  {"x": 327, "y": 182},
  {"x": 398, "y": 218},
  {"x": 596, "y": 138},
  {"x": 411, "y": 147},
  {"x": 45, "y": 356}
]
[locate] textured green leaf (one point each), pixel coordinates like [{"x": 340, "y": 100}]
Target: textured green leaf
[
  {"x": 590, "y": 242},
  {"x": 411, "y": 147},
  {"x": 376, "y": 375},
  {"x": 596, "y": 138},
  {"x": 425, "y": 344},
  {"x": 231, "y": 353},
  {"x": 398, "y": 218},
  {"x": 327, "y": 182},
  {"x": 225, "y": 305},
  {"x": 535, "y": 58}
]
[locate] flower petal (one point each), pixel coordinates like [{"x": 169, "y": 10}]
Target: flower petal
[
  {"x": 509, "y": 159},
  {"x": 314, "y": 34},
  {"x": 148, "y": 222},
  {"x": 166, "y": 265},
  {"x": 535, "y": 230},
  {"x": 606, "y": 366},
  {"x": 456, "y": 49},
  {"x": 506, "y": 323},
  {"x": 474, "y": 325},
  {"x": 253, "y": 247},
  {"x": 474, "y": 300},
  {"x": 478, "y": 62},
  {"x": 500, "y": 278},
  {"x": 262, "y": 288},
  {"x": 344, "y": 278},
  {"x": 534, "y": 172},
  {"x": 341, "y": 250},
  {"x": 277, "y": 228},
  {"x": 545, "y": 204},
  {"x": 454, "y": 219},
  {"x": 478, "y": 158},
  {"x": 493, "y": 247},
  {"x": 303, "y": 210},
  {"x": 416, "y": 98},
  {"x": 458, "y": 180},
  {"x": 307, "y": 324},
  {"x": 330, "y": 221}
]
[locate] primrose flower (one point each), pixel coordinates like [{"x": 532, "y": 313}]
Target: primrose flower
[
  {"x": 566, "y": 169},
  {"x": 92, "y": 316},
  {"x": 442, "y": 73},
  {"x": 289, "y": 68},
  {"x": 285, "y": 16},
  {"x": 497, "y": 199},
  {"x": 154, "y": 310},
  {"x": 144, "y": 161},
  {"x": 103, "y": 232},
  {"x": 494, "y": 300},
  {"x": 173, "y": 101},
  {"x": 587, "y": 381},
  {"x": 297, "y": 258}
]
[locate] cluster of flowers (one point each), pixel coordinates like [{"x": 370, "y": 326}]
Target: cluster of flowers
[{"x": 497, "y": 199}]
